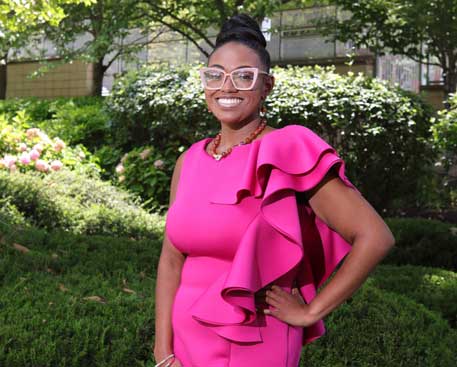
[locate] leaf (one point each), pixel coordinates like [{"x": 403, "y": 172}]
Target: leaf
[
  {"x": 95, "y": 299},
  {"x": 127, "y": 290},
  {"x": 63, "y": 288},
  {"x": 21, "y": 248}
]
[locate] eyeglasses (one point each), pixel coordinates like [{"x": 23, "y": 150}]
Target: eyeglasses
[{"x": 242, "y": 79}]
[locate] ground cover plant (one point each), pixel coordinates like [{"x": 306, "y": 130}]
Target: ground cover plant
[{"x": 76, "y": 300}]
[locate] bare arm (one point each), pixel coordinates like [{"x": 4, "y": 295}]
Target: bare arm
[
  {"x": 168, "y": 278},
  {"x": 345, "y": 211},
  {"x": 349, "y": 214}
]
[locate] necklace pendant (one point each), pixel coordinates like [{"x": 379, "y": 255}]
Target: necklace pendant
[{"x": 217, "y": 157}]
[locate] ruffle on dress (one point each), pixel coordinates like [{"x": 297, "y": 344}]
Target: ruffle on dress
[{"x": 283, "y": 235}]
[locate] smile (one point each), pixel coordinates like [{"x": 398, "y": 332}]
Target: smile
[{"x": 228, "y": 102}]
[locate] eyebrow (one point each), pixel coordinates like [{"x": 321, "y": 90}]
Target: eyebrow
[{"x": 239, "y": 67}]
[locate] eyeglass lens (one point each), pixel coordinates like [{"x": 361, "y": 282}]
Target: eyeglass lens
[{"x": 242, "y": 79}]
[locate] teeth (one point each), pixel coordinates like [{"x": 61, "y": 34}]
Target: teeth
[{"x": 229, "y": 102}]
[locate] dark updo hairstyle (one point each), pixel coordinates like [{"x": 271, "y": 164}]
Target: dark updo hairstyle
[{"x": 243, "y": 29}]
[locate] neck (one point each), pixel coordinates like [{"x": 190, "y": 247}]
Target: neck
[{"x": 234, "y": 134}]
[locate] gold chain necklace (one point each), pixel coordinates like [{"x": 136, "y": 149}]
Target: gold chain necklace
[{"x": 252, "y": 136}]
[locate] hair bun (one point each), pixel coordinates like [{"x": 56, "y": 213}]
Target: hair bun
[{"x": 241, "y": 27}]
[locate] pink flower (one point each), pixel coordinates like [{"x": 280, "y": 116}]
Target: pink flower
[
  {"x": 22, "y": 147},
  {"x": 13, "y": 168},
  {"x": 9, "y": 160},
  {"x": 25, "y": 158},
  {"x": 38, "y": 147},
  {"x": 58, "y": 145},
  {"x": 41, "y": 165},
  {"x": 44, "y": 137},
  {"x": 31, "y": 133},
  {"x": 120, "y": 168},
  {"x": 145, "y": 153},
  {"x": 34, "y": 154},
  {"x": 56, "y": 165},
  {"x": 158, "y": 164}
]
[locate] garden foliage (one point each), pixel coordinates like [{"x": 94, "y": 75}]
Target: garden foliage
[
  {"x": 381, "y": 131},
  {"x": 77, "y": 203}
]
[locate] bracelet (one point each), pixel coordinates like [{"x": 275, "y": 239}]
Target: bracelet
[{"x": 163, "y": 360}]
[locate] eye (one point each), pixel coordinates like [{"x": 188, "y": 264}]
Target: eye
[
  {"x": 213, "y": 75},
  {"x": 245, "y": 75}
]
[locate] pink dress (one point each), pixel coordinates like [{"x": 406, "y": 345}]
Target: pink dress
[{"x": 240, "y": 224}]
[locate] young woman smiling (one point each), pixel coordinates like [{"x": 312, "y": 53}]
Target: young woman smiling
[{"x": 259, "y": 218}]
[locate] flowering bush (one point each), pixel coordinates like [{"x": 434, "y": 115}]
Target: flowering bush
[
  {"x": 24, "y": 148},
  {"x": 146, "y": 172}
]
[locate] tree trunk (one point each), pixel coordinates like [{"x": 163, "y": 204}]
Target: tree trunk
[
  {"x": 450, "y": 84},
  {"x": 3, "y": 74},
  {"x": 97, "y": 77},
  {"x": 3, "y": 70}
]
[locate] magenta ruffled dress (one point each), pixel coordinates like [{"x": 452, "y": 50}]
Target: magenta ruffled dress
[{"x": 242, "y": 228}]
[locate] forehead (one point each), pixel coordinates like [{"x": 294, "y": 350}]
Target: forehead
[{"x": 232, "y": 55}]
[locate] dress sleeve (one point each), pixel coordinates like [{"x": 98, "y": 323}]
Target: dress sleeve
[{"x": 283, "y": 235}]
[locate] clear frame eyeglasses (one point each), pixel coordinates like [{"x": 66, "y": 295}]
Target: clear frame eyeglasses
[{"x": 242, "y": 78}]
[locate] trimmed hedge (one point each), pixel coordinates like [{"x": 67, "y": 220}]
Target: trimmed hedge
[
  {"x": 379, "y": 328},
  {"x": 434, "y": 288},
  {"x": 423, "y": 242},
  {"x": 79, "y": 204},
  {"x": 50, "y": 313}
]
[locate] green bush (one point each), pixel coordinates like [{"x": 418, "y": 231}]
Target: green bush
[
  {"x": 423, "y": 242},
  {"x": 444, "y": 128},
  {"x": 379, "y": 328},
  {"x": 50, "y": 313},
  {"x": 77, "y": 120},
  {"x": 146, "y": 172},
  {"x": 73, "y": 202},
  {"x": 76, "y": 300},
  {"x": 381, "y": 131},
  {"x": 434, "y": 288},
  {"x": 85, "y": 124},
  {"x": 24, "y": 147}
]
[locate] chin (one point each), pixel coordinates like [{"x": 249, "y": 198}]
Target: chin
[{"x": 229, "y": 117}]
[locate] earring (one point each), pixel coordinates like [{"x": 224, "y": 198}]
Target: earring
[{"x": 263, "y": 110}]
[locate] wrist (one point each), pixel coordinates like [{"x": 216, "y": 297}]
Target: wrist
[{"x": 312, "y": 314}]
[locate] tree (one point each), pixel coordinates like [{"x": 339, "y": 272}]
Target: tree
[
  {"x": 100, "y": 34},
  {"x": 423, "y": 30},
  {"x": 20, "y": 21},
  {"x": 193, "y": 18},
  {"x": 107, "y": 23}
]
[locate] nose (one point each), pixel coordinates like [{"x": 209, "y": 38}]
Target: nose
[{"x": 227, "y": 85}]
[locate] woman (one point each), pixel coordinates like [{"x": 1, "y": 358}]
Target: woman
[{"x": 258, "y": 220}]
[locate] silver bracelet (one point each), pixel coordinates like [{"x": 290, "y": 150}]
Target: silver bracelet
[{"x": 164, "y": 360}]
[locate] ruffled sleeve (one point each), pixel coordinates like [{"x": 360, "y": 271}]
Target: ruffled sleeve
[{"x": 283, "y": 235}]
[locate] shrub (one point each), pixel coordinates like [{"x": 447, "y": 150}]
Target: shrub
[
  {"x": 146, "y": 172},
  {"x": 444, "y": 129},
  {"x": 434, "y": 288},
  {"x": 381, "y": 131},
  {"x": 423, "y": 242},
  {"x": 379, "y": 328},
  {"x": 79, "y": 124},
  {"x": 77, "y": 203},
  {"x": 76, "y": 300},
  {"x": 23, "y": 148},
  {"x": 77, "y": 120}
]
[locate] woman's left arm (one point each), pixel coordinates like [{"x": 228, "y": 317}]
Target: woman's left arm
[{"x": 345, "y": 211}]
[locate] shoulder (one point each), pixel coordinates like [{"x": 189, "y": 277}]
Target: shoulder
[{"x": 296, "y": 139}]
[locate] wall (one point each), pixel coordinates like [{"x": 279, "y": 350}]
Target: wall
[{"x": 68, "y": 80}]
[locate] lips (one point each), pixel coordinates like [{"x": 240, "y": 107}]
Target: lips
[{"x": 229, "y": 102}]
